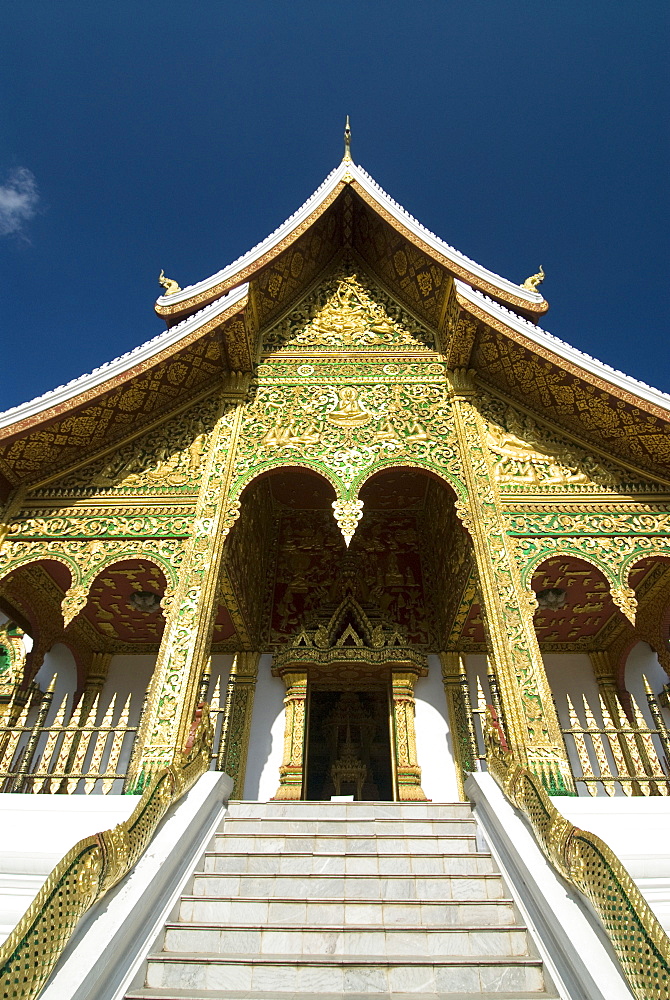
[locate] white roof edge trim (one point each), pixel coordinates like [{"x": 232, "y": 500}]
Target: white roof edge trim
[
  {"x": 111, "y": 369},
  {"x": 403, "y": 216},
  {"x": 305, "y": 210},
  {"x": 544, "y": 339},
  {"x": 397, "y": 211}
]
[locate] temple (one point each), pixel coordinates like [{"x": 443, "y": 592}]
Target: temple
[{"x": 359, "y": 510}]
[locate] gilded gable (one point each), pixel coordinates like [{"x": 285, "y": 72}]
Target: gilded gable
[{"x": 348, "y": 312}]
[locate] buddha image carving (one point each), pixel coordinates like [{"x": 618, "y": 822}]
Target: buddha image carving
[
  {"x": 165, "y": 463},
  {"x": 349, "y": 413},
  {"x": 291, "y": 436},
  {"x": 524, "y": 456}
]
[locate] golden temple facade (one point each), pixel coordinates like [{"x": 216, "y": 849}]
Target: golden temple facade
[{"x": 352, "y": 463}]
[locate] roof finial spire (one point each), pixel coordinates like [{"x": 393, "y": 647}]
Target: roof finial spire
[{"x": 347, "y": 142}]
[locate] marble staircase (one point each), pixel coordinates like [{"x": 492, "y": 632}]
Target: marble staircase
[{"x": 309, "y": 899}]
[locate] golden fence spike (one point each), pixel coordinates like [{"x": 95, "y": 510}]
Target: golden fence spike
[
  {"x": 108, "y": 719},
  {"x": 623, "y": 721},
  {"x": 645, "y": 742},
  {"x": 115, "y": 750},
  {"x": 612, "y": 737},
  {"x": 12, "y": 738},
  {"x": 481, "y": 700},
  {"x": 41, "y": 782},
  {"x": 85, "y": 735},
  {"x": 572, "y": 714},
  {"x": 480, "y": 712},
  {"x": 97, "y": 744},
  {"x": 628, "y": 738},
  {"x": 596, "y": 737},
  {"x": 608, "y": 722},
  {"x": 60, "y": 769},
  {"x": 216, "y": 696},
  {"x": 659, "y": 722},
  {"x": 95, "y": 768},
  {"x": 582, "y": 749},
  {"x": 638, "y": 717}
]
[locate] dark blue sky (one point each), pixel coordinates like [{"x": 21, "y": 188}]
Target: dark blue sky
[{"x": 177, "y": 135}]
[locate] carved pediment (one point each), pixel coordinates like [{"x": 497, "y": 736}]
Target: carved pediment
[
  {"x": 530, "y": 455},
  {"x": 166, "y": 458},
  {"x": 348, "y": 312},
  {"x": 350, "y": 634}
]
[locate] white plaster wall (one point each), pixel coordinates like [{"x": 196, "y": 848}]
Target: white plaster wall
[
  {"x": 433, "y": 740},
  {"x": 59, "y": 660},
  {"x": 128, "y": 678},
  {"x": 36, "y": 831},
  {"x": 266, "y": 741},
  {"x": 571, "y": 675}
]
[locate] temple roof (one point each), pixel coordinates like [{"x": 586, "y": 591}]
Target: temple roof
[
  {"x": 485, "y": 322},
  {"x": 348, "y": 172}
]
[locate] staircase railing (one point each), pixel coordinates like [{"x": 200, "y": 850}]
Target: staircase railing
[
  {"x": 91, "y": 868},
  {"x": 640, "y": 943}
]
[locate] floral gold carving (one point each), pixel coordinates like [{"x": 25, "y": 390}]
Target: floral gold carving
[
  {"x": 347, "y": 514},
  {"x": 626, "y": 601},
  {"x": 348, "y": 311}
]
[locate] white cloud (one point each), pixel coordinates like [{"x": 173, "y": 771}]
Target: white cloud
[{"x": 18, "y": 201}]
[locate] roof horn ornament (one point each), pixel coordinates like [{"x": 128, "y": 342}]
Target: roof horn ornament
[
  {"x": 532, "y": 283},
  {"x": 168, "y": 284},
  {"x": 347, "y": 143}
]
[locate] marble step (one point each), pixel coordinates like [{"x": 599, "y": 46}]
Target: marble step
[
  {"x": 371, "y": 974},
  {"x": 156, "y": 993},
  {"x": 263, "y": 843},
  {"x": 350, "y": 810},
  {"x": 336, "y": 912},
  {"x": 300, "y": 863},
  {"x": 346, "y": 942},
  {"x": 350, "y": 887},
  {"x": 435, "y": 827}
]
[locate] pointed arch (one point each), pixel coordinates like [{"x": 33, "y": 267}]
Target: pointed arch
[{"x": 423, "y": 466}]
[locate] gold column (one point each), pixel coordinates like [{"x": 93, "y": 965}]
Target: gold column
[
  {"x": 185, "y": 647},
  {"x": 95, "y": 682},
  {"x": 236, "y": 726},
  {"x": 604, "y": 675},
  {"x": 408, "y": 771},
  {"x": 463, "y": 739},
  {"x": 291, "y": 772},
  {"x": 533, "y": 729}
]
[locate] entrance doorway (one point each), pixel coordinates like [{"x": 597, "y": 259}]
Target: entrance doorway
[{"x": 349, "y": 745}]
